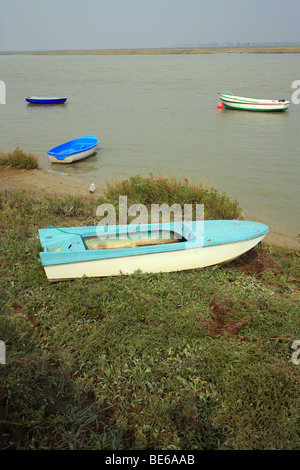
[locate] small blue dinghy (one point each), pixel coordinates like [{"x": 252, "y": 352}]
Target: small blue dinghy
[
  {"x": 74, "y": 150},
  {"x": 45, "y": 100},
  {"x": 111, "y": 250}
]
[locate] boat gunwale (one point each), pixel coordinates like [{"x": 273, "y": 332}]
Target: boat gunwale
[
  {"x": 46, "y": 97},
  {"x": 67, "y": 257},
  {"x": 228, "y": 97}
]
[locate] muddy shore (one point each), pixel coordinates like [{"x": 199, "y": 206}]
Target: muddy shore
[{"x": 43, "y": 183}]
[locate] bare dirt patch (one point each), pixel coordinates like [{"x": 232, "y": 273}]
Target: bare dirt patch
[
  {"x": 256, "y": 261},
  {"x": 42, "y": 183}
]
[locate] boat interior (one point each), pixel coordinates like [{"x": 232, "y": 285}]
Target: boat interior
[
  {"x": 114, "y": 241},
  {"x": 132, "y": 240}
]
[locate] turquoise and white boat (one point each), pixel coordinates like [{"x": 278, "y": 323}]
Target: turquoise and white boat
[
  {"x": 252, "y": 104},
  {"x": 113, "y": 250}
]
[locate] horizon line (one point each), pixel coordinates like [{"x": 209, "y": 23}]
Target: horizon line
[{"x": 204, "y": 46}]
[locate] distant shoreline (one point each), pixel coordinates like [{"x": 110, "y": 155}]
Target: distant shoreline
[{"x": 161, "y": 51}]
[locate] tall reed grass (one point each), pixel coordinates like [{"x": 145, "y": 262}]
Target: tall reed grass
[
  {"x": 18, "y": 158},
  {"x": 173, "y": 190}
]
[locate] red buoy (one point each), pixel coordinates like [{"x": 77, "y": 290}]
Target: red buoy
[{"x": 220, "y": 105}]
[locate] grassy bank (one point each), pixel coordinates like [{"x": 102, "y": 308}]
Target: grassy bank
[{"x": 188, "y": 360}]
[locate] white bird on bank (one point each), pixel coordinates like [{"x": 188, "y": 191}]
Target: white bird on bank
[{"x": 92, "y": 188}]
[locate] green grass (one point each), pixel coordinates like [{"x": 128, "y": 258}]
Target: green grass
[
  {"x": 172, "y": 190},
  {"x": 188, "y": 360},
  {"x": 18, "y": 159}
]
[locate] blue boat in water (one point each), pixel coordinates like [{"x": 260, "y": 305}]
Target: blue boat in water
[
  {"x": 45, "y": 100},
  {"x": 111, "y": 250},
  {"x": 74, "y": 150}
]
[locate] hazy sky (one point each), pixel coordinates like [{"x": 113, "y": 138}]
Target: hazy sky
[{"x": 104, "y": 24}]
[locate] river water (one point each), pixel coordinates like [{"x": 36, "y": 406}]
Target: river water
[{"x": 158, "y": 113}]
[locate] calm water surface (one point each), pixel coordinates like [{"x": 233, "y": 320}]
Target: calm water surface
[{"x": 159, "y": 114}]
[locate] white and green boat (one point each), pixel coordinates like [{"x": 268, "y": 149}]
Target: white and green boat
[{"x": 252, "y": 104}]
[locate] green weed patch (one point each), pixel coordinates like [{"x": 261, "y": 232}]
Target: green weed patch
[{"x": 18, "y": 158}]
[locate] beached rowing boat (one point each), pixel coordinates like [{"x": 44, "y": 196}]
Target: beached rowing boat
[
  {"x": 45, "y": 100},
  {"x": 252, "y": 104},
  {"x": 151, "y": 248},
  {"x": 74, "y": 150}
]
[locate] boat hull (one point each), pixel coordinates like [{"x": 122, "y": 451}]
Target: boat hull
[
  {"x": 74, "y": 150},
  {"x": 252, "y": 104},
  {"x": 152, "y": 263},
  {"x": 45, "y": 100},
  {"x": 74, "y": 157},
  {"x": 82, "y": 251}
]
